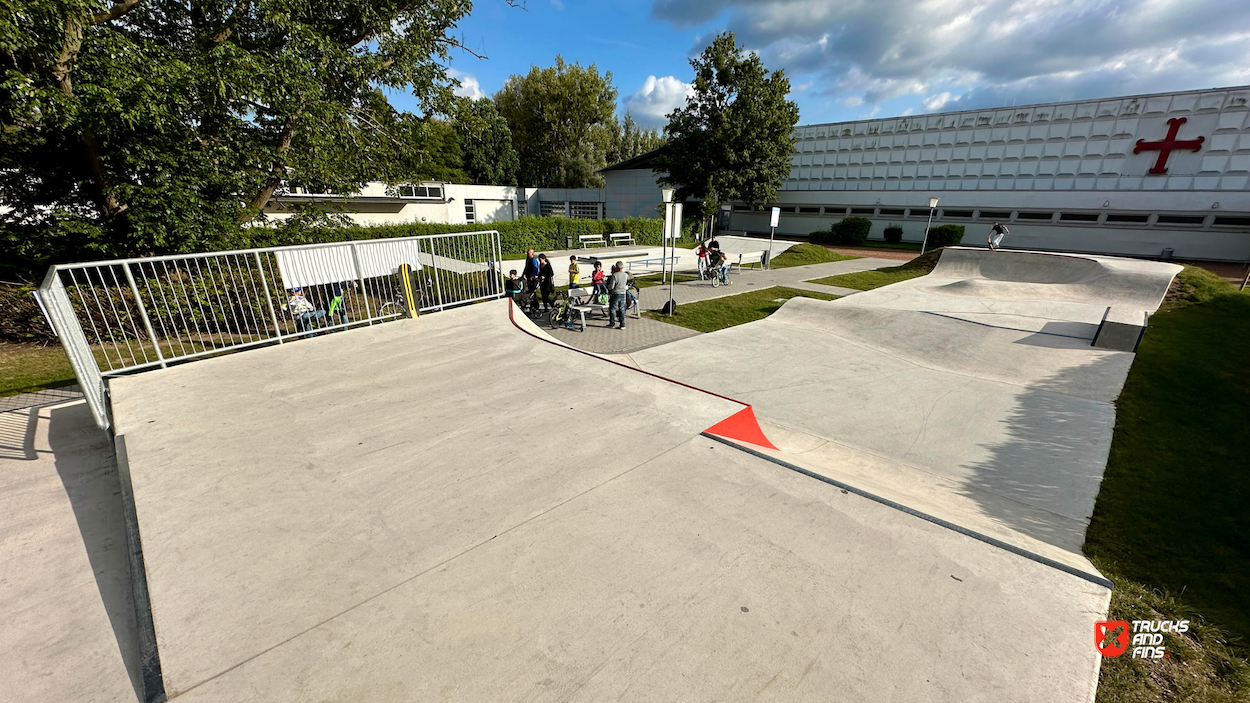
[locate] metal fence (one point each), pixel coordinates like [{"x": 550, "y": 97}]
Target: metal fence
[{"x": 128, "y": 315}]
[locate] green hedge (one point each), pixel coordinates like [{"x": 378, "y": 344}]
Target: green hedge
[
  {"x": 945, "y": 236},
  {"x": 893, "y": 234},
  {"x": 515, "y": 236},
  {"x": 852, "y": 231}
]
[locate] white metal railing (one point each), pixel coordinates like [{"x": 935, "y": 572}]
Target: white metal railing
[{"x": 127, "y": 315}]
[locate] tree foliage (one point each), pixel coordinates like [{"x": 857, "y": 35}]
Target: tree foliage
[
  {"x": 733, "y": 139},
  {"x": 138, "y": 127},
  {"x": 630, "y": 140},
  {"x": 561, "y": 119},
  {"x": 486, "y": 142}
]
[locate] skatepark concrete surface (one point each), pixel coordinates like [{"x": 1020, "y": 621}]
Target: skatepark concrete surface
[
  {"x": 972, "y": 395},
  {"x": 455, "y": 508},
  {"x": 67, "y": 629}
]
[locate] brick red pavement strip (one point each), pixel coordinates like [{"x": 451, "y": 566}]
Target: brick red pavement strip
[{"x": 741, "y": 426}]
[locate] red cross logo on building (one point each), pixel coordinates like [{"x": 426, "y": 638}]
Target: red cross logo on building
[{"x": 1168, "y": 144}]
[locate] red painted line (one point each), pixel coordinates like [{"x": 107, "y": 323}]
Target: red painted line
[{"x": 741, "y": 426}]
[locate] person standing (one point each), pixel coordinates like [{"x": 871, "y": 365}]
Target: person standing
[
  {"x": 574, "y": 273},
  {"x": 546, "y": 281},
  {"x": 598, "y": 279},
  {"x": 997, "y": 232},
  {"x": 530, "y": 271},
  {"x": 618, "y": 287}
]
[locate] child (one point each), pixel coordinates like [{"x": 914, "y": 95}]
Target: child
[
  {"x": 574, "y": 273},
  {"x": 513, "y": 285},
  {"x": 599, "y": 279}
]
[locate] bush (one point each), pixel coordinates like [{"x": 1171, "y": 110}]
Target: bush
[
  {"x": 945, "y": 236},
  {"x": 820, "y": 236},
  {"x": 852, "y": 231},
  {"x": 893, "y": 234},
  {"x": 21, "y": 320}
]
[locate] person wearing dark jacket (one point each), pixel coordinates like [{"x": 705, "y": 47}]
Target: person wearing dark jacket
[
  {"x": 530, "y": 271},
  {"x": 546, "y": 281}
]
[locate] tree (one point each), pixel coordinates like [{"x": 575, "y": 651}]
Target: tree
[
  {"x": 486, "y": 143},
  {"x": 561, "y": 120},
  {"x": 132, "y": 128},
  {"x": 427, "y": 149},
  {"x": 629, "y": 140},
  {"x": 733, "y": 139}
]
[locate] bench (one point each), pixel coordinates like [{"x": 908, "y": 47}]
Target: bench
[
  {"x": 755, "y": 258},
  {"x": 622, "y": 238},
  {"x": 588, "y": 239}
]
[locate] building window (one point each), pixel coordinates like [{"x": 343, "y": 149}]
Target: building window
[
  {"x": 1135, "y": 219},
  {"x": 995, "y": 215},
  {"x": 421, "y": 192},
  {"x": 956, "y": 213},
  {"x": 787, "y": 209},
  {"x": 1179, "y": 220},
  {"x": 863, "y": 211},
  {"x": 470, "y": 213},
  {"x": 585, "y": 211},
  {"x": 520, "y": 208},
  {"x": 892, "y": 211},
  {"x": 742, "y": 208},
  {"x": 1078, "y": 217},
  {"x": 1036, "y": 216},
  {"x": 809, "y": 211},
  {"x": 549, "y": 208},
  {"x": 1232, "y": 222}
]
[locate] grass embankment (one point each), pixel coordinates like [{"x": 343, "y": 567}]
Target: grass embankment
[
  {"x": 719, "y": 313},
  {"x": 1170, "y": 524},
  {"x": 805, "y": 254},
  {"x": 31, "y": 367},
  {"x": 867, "y": 280}
]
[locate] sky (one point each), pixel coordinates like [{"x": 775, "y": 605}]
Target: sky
[{"x": 857, "y": 59}]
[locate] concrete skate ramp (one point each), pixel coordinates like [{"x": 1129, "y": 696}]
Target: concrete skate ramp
[
  {"x": 994, "y": 414},
  {"x": 449, "y": 507}
]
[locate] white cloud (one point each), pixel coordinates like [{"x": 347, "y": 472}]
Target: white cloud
[
  {"x": 853, "y": 101},
  {"x": 984, "y": 50},
  {"x": 656, "y": 98},
  {"x": 557, "y": 4},
  {"x": 469, "y": 87}
]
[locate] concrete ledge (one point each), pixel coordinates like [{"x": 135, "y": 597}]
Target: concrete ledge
[{"x": 1121, "y": 329}]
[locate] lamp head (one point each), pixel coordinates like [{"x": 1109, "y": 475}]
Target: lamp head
[
  {"x": 933, "y": 202},
  {"x": 667, "y": 193}
]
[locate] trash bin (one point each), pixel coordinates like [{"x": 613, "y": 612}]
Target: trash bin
[
  {"x": 568, "y": 242},
  {"x": 764, "y": 259},
  {"x": 1167, "y": 255}
]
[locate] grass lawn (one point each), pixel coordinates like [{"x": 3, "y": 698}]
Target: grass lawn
[
  {"x": 652, "y": 280},
  {"x": 867, "y": 280},
  {"x": 719, "y": 313},
  {"x": 32, "y": 367},
  {"x": 1170, "y": 525},
  {"x": 804, "y": 254}
]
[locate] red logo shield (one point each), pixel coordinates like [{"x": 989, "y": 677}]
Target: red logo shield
[{"x": 1111, "y": 637}]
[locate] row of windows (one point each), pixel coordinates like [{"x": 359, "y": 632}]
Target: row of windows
[
  {"x": 1113, "y": 218},
  {"x": 575, "y": 210},
  {"x": 421, "y": 192}
]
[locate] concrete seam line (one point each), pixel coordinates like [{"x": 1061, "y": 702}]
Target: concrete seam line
[
  {"x": 512, "y": 319},
  {"x": 152, "y": 679},
  {"x": 1020, "y": 551}
]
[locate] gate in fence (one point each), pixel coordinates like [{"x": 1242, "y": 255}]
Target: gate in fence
[{"x": 128, "y": 315}]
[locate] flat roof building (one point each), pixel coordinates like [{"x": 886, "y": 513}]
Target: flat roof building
[{"x": 1146, "y": 175}]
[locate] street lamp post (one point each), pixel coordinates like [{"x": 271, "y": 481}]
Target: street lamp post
[
  {"x": 932, "y": 206},
  {"x": 667, "y": 194}
]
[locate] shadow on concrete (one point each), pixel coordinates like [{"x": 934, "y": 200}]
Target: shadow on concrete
[
  {"x": 1053, "y": 459},
  {"x": 87, "y": 465},
  {"x": 17, "y": 434}
]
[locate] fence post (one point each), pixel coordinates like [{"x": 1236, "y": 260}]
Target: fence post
[
  {"x": 438, "y": 287},
  {"x": 360, "y": 277},
  {"x": 264, "y": 283},
  {"x": 143, "y": 310}
]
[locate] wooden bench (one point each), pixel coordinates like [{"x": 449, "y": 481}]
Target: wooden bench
[
  {"x": 588, "y": 239},
  {"x": 622, "y": 238}
]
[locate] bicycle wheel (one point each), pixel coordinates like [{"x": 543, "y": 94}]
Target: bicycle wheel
[
  {"x": 391, "y": 308},
  {"x": 715, "y": 280}
]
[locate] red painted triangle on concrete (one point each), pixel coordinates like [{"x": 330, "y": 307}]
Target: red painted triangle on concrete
[{"x": 742, "y": 427}]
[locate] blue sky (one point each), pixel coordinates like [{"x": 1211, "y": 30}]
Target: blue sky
[{"x": 853, "y": 59}]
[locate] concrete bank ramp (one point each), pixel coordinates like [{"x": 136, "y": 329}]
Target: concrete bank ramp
[
  {"x": 991, "y": 413},
  {"x": 452, "y": 508}
]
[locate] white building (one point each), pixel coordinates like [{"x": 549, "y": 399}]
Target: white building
[
  {"x": 449, "y": 203},
  {"x": 1137, "y": 175}
]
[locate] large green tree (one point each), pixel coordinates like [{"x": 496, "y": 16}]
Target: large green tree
[
  {"x": 486, "y": 143},
  {"x": 561, "y": 119},
  {"x": 142, "y": 126},
  {"x": 733, "y": 140},
  {"x": 630, "y": 140}
]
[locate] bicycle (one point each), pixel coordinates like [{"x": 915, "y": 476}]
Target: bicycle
[
  {"x": 720, "y": 276},
  {"x": 562, "y": 314},
  {"x": 398, "y": 306}
]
